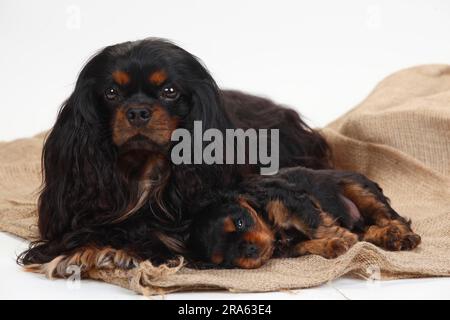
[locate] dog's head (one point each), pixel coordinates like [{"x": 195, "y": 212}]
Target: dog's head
[
  {"x": 228, "y": 232},
  {"x": 137, "y": 93}
]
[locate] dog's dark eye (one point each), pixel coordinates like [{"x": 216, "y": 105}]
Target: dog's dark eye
[
  {"x": 169, "y": 93},
  {"x": 111, "y": 94},
  {"x": 239, "y": 223}
]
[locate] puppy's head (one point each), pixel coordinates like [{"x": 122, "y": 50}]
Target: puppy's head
[{"x": 228, "y": 232}]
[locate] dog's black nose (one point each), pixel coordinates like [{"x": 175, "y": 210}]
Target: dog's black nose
[
  {"x": 251, "y": 250},
  {"x": 138, "y": 116}
]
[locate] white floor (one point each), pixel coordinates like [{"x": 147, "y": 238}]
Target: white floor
[{"x": 16, "y": 284}]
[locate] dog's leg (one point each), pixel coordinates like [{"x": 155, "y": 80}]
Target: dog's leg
[
  {"x": 86, "y": 258},
  {"x": 328, "y": 239},
  {"x": 328, "y": 247},
  {"x": 386, "y": 228},
  {"x": 329, "y": 229}
]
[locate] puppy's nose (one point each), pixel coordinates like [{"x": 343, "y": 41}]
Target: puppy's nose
[
  {"x": 138, "y": 116},
  {"x": 251, "y": 250}
]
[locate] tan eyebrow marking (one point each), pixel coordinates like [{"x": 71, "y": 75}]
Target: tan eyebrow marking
[
  {"x": 121, "y": 77},
  {"x": 158, "y": 77}
]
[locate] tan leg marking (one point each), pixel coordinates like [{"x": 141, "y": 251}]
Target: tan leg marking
[
  {"x": 329, "y": 229},
  {"x": 368, "y": 205},
  {"x": 328, "y": 248},
  {"x": 87, "y": 259}
]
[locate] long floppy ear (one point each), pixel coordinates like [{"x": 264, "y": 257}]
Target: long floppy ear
[
  {"x": 207, "y": 105},
  {"x": 79, "y": 187}
]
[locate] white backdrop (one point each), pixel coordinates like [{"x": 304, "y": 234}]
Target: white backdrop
[{"x": 321, "y": 57}]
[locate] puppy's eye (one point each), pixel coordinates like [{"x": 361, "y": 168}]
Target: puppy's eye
[
  {"x": 169, "y": 93},
  {"x": 111, "y": 94},
  {"x": 239, "y": 223}
]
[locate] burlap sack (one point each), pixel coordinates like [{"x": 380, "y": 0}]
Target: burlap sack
[{"x": 399, "y": 136}]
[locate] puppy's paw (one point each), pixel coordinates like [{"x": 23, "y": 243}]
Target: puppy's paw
[
  {"x": 395, "y": 236},
  {"x": 335, "y": 247}
]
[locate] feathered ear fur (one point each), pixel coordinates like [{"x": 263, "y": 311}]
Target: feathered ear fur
[
  {"x": 207, "y": 107},
  {"x": 79, "y": 177},
  {"x": 82, "y": 187}
]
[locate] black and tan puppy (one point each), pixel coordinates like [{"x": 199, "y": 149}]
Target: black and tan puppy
[{"x": 296, "y": 212}]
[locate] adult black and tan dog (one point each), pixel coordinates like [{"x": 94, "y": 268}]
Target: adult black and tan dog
[
  {"x": 110, "y": 193},
  {"x": 296, "y": 212}
]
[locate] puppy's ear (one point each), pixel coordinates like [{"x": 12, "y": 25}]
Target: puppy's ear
[{"x": 204, "y": 201}]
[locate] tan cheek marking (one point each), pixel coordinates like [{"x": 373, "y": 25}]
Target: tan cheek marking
[
  {"x": 228, "y": 225},
  {"x": 162, "y": 124},
  {"x": 121, "y": 77},
  {"x": 158, "y": 77},
  {"x": 120, "y": 126}
]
